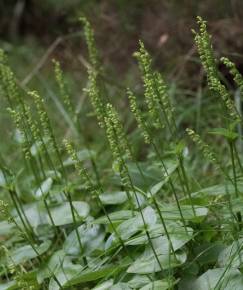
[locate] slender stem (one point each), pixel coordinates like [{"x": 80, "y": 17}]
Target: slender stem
[
  {"x": 29, "y": 231},
  {"x": 186, "y": 183},
  {"x": 75, "y": 225},
  {"x": 238, "y": 157},
  {"x": 233, "y": 167},
  {"x": 171, "y": 185}
]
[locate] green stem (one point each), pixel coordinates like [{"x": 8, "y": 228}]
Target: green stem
[{"x": 234, "y": 169}]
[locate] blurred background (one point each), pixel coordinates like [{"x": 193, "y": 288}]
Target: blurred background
[
  {"x": 34, "y": 32},
  {"x": 28, "y": 28}
]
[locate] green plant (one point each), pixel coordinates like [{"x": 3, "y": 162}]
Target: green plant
[{"x": 70, "y": 220}]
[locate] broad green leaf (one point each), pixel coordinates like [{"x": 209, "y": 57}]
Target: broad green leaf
[
  {"x": 120, "y": 286},
  {"x": 157, "y": 285},
  {"x": 171, "y": 212},
  {"x": 44, "y": 188},
  {"x": 219, "y": 279},
  {"x": 157, "y": 187},
  {"x": 236, "y": 205},
  {"x": 6, "y": 228},
  {"x": 177, "y": 233},
  {"x": 147, "y": 263},
  {"x": 232, "y": 255},
  {"x": 130, "y": 227},
  {"x": 104, "y": 286},
  {"x": 91, "y": 236},
  {"x": 35, "y": 214},
  {"x": 25, "y": 253},
  {"x": 9, "y": 286},
  {"x": 138, "y": 281},
  {"x": 138, "y": 199},
  {"x": 228, "y": 134},
  {"x": 186, "y": 282},
  {"x": 119, "y": 197},
  {"x": 219, "y": 190},
  {"x": 7, "y": 177},
  {"x": 53, "y": 264},
  {"x": 64, "y": 274},
  {"x": 116, "y": 197},
  {"x": 208, "y": 253},
  {"x": 150, "y": 173},
  {"x": 2, "y": 179},
  {"x": 95, "y": 274},
  {"x": 62, "y": 214},
  {"x": 116, "y": 217}
]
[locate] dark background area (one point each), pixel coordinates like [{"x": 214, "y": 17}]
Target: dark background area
[{"x": 164, "y": 26}]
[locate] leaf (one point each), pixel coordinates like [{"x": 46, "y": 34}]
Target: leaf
[
  {"x": 219, "y": 189},
  {"x": 171, "y": 212},
  {"x": 139, "y": 281},
  {"x": 116, "y": 217},
  {"x": 177, "y": 233},
  {"x": 9, "y": 285},
  {"x": 62, "y": 266},
  {"x": 6, "y": 228},
  {"x": 130, "y": 227},
  {"x": 208, "y": 253},
  {"x": 157, "y": 187},
  {"x": 171, "y": 167},
  {"x": 34, "y": 213},
  {"x": 44, "y": 188},
  {"x": 64, "y": 274},
  {"x": 104, "y": 286},
  {"x": 25, "y": 253},
  {"x": 2, "y": 179},
  {"x": 232, "y": 255},
  {"x": 95, "y": 274},
  {"x": 138, "y": 199},
  {"x": 150, "y": 173},
  {"x": 235, "y": 206},
  {"x": 147, "y": 263},
  {"x": 117, "y": 197},
  {"x": 62, "y": 214},
  {"x": 120, "y": 286},
  {"x": 228, "y": 134},
  {"x": 91, "y": 236},
  {"x": 157, "y": 285},
  {"x": 53, "y": 264},
  {"x": 222, "y": 278}
]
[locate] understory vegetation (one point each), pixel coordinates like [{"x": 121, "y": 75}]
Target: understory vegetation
[{"x": 116, "y": 193}]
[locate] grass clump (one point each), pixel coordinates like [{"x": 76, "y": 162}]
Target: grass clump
[{"x": 115, "y": 215}]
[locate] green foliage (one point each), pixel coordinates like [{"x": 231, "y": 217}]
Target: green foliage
[{"x": 120, "y": 214}]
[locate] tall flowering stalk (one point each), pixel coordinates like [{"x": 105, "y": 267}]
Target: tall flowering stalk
[
  {"x": 206, "y": 54},
  {"x": 121, "y": 149},
  {"x": 93, "y": 189},
  {"x": 46, "y": 126},
  {"x": 90, "y": 41},
  {"x": 149, "y": 82},
  {"x": 8, "y": 81},
  {"x": 96, "y": 88},
  {"x": 161, "y": 111},
  {"x": 148, "y": 137},
  {"x": 63, "y": 87},
  {"x": 139, "y": 117},
  {"x": 234, "y": 72},
  {"x": 207, "y": 151}
]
